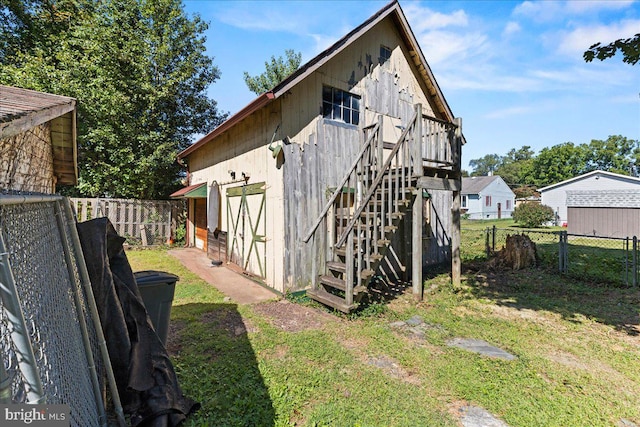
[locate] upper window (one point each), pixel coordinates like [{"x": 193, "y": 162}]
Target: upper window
[
  {"x": 385, "y": 54},
  {"x": 340, "y": 105}
]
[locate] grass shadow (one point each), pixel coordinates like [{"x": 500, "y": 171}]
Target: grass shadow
[
  {"x": 217, "y": 366},
  {"x": 541, "y": 289}
]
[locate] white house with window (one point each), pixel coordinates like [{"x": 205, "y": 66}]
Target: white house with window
[{"x": 486, "y": 197}]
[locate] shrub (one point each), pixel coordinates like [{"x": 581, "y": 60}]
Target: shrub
[{"x": 533, "y": 214}]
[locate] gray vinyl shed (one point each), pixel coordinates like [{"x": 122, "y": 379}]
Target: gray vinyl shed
[{"x": 611, "y": 213}]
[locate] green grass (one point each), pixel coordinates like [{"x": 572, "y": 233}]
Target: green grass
[{"x": 576, "y": 344}]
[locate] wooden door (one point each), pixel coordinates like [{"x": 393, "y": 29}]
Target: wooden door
[
  {"x": 200, "y": 223},
  {"x": 246, "y": 240},
  {"x": 499, "y": 210}
]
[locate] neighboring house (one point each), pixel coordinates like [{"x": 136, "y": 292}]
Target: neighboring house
[
  {"x": 606, "y": 213},
  {"x": 324, "y": 182},
  {"x": 487, "y": 197},
  {"x": 37, "y": 140},
  {"x": 555, "y": 195}
]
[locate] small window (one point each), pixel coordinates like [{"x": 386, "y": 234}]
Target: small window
[
  {"x": 340, "y": 105},
  {"x": 508, "y": 204},
  {"x": 464, "y": 201},
  {"x": 487, "y": 200},
  {"x": 385, "y": 54}
]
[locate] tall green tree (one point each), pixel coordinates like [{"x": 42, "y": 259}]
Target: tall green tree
[
  {"x": 139, "y": 71},
  {"x": 558, "y": 163},
  {"x": 485, "y": 165},
  {"x": 276, "y": 70}
]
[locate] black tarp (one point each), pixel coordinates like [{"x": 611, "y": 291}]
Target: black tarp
[{"x": 147, "y": 384}]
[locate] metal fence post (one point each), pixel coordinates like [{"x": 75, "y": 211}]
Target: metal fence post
[
  {"x": 635, "y": 261},
  {"x": 625, "y": 247},
  {"x": 487, "y": 248}
]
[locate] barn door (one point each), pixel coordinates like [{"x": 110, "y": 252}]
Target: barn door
[{"x": 246, "y": 241}]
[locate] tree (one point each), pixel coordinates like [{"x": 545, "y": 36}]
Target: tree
[
  {"x": 616, "y": 154},
  {"x": 630, "y": 49},
  {"x": 485, "y": 165},
  {"x": 139, "y": 72},
  {"x": 558, "y": 163},
  {"x": 276, "y": 71}
]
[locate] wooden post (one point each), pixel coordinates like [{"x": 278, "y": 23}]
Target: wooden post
[
  {"x": 416, "y": 151},
  {"x": 416, "y": 243},
  {"x": 456, "y": 263}
]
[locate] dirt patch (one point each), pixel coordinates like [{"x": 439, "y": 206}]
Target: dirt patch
[
  {"x": 292, "y": 317},
  {"x": 393, "y": 369},
  {"x": 174, "y": 337},
  {"x": 230, "y": 321}
]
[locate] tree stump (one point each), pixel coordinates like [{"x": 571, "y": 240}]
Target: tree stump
[{"x": 519, "y": 252}]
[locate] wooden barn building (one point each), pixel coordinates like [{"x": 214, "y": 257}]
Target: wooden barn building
[
  {"x": 37, "y": 140},
  {"x": 346, "y": 172}
]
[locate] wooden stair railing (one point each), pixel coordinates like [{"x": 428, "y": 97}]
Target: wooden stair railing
[{"x": 352, "y": 234}]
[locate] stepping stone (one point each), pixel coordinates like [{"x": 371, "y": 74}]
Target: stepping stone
[
  {"x": 473, "y": 416},
  {"x": 481, "y": 347},
  {"x": 415, "y": 321},
  {"x": 626, "y": 423}
]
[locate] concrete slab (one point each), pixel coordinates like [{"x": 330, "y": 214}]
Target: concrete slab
[
  {"x": 238, "y": 288},
  {"x": 480, "y": 346}
]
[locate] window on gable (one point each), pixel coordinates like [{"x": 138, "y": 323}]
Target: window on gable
[
  {"x": 340, "y": 105},
  {"x": 487, "y": 200},
  {"x": 385, "y": 54}
]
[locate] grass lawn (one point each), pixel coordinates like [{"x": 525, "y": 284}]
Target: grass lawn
[{"x": 283, "y": 364}]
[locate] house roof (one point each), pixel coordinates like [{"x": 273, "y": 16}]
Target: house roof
[
  {"x": 475, "y": 184},
  {"x": 603, "y": 198},
  {"x": 22, "y": 110},
  {"x": 191, "y": 191},
  {"x": 392, "y": 9},
  {"x": 589, "y": 174}
]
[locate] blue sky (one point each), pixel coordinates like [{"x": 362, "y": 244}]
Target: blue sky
[{"x": 512, "y": 70}]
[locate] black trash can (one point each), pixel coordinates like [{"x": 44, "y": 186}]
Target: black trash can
[{"x": 157, "y": 289}]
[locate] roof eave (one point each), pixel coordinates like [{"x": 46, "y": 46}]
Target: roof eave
[{"x": 252, "y": 107}]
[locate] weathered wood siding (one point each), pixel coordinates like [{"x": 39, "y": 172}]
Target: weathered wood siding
[
  {"x": 26, "y": 161},
  {"x": 323, "y": 150}
]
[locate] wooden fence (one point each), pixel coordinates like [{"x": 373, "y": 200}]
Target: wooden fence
[{"x": 143, "y": 222}]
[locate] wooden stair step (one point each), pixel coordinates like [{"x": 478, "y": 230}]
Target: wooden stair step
[
  {"x": 340, "y": 267},
  {"x": 334, "y": 282},
  {"x": 329, "y": 299}
]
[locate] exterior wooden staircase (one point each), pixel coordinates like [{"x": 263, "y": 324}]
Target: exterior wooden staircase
[{"x": 351, "y": 236}]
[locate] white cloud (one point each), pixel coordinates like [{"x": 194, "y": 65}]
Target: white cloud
[
  {"x": 424, "y": 19},
  {"x": 512, "y": 27},
  {"x": 578, "y": 40},
  {"x": 539, "y": 10}
]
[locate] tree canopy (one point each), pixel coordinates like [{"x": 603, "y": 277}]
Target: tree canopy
[
  {"x": 139, "y": 71},
  {"x": 523, "y": 168},
  {"x": 630, "y": 49},
  {"x": 276, "y": 70}
]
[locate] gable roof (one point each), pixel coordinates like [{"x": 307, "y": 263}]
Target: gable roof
[
  {"x": 23, "y": 109},
  {"x": 392, "y": 9},
  {"x": 589, "y": 174},
  {"x": 475, "y": 184}
]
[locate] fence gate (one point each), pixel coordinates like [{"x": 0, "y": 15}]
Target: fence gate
[{"x": 247, "y": 227}]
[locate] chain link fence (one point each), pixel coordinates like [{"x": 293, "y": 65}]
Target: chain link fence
[
  {"x": 592, "y": 258},
  {"x": 50, "y": 339}
]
